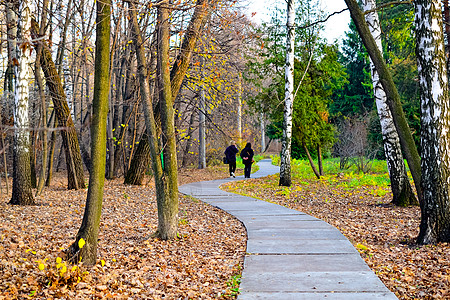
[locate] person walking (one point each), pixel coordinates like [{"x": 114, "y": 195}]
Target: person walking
[
  {"x": 230, "y": 154},
  {"x": 247, "y": 159}
]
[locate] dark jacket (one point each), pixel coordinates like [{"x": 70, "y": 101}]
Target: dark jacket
[
  {"x": 247, "y": 152},
  {"x": 231, "y": 152}
]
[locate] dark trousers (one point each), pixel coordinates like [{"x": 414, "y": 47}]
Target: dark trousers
[
  {"x": 247, "y": 170},
  {"x": 232, "y": 166}
]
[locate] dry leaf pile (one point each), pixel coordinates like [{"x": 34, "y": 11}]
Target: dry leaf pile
[
  {"x": 383, "y": 234},
  {"x": 131, "y": 263}
]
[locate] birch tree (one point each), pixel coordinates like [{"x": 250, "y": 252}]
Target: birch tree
[
  {"x": 393, "y": 98},
  {"x": 400, "y": 185},
  {"x": 285, "y": 166},
  {"x": 22, "y": 194},
  {"x": 435, "y": 122}
]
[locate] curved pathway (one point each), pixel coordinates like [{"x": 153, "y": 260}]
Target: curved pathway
[{"x": 291, "y": 255}]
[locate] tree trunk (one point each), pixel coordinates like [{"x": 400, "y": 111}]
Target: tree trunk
[
  {"x": 111, "y": 145},
  {"x": 193, "y": 31},
  {"x": 187, "y": 148},
  {"x": 407, "y": 143},
  {"x": 51, "y": 154},
  {"x": 21, "y": 193},
  {"x": 285, "y": 165},
  {"x": 239, "y": 109},
  {"x": 126, "y": 116},
  {"x": 311, "y": 162},
  {"x": 201, "y": 126},
  {"x": 40, "y": 83},
  {"x": 91, "y": 218},
  {"x": 447, "y": 33},
  {"x": 319, "y": 159},
  {"x": 400, "y": 185},
  {"x": 5, "y": 167},
  {"x": 167, "y": 211},
  {"x": 116, "y": 119},
  {"x": 435, "y": 123},
  {"x": 74, "y": 163},
  {"x": 134, "y": 174},
  {"x": 263, "y": 132},
  {"x": 167, "y": 195}
]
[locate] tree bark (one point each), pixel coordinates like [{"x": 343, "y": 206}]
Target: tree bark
[
  {"x": 142, "y": 162},
  {"x": 400, "y": 185},
  {"x": 187, "y": 148},
  {"x": 447, "y": 33},
  {"x": 21, "y": 193},
  {"x": 435, "y": 122},
  {"x": 407, "y": 143},
  {"x": 201, "y": 125},
  {"x": 239, "y": 109},
  {"x": 285, "y": 165},
  {"x": 311, "y": 162},
  {"x": 263, "y": 132},
  {"x": 319, "y": 159},
  {"x": 74, "y": 163},
  {"x": 165, "y": 178},
  {"x": 167, "y": 196},
  {"x": 51, "y": 154},
  {"x": 193, "y": 31},
  {"x": 40, "y": 83},
  {"x": 91, "y": 218},
  {"x": 111, "y": 145}
]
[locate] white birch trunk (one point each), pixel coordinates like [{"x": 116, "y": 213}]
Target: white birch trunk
[
  {"x": 22, "y": 194},
  {"x": 285, "y": 165},
  {"x": 11, "y": 8},
  {"x": 435, "y": 125},
  {"x": 400, "y": 185}
]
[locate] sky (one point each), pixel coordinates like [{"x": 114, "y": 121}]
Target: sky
[{"x": 335, "y": 27}]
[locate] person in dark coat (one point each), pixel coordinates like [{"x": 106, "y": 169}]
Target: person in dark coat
[
  {"x": 230, "y": 154},
  {"x": 247, "y": 159}
]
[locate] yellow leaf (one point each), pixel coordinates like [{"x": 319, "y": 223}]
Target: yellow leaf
[
  {"x": 41, "y": 267},
  {"x": 58, "y": 260},
  {"x": 103, "y": 262},
  {"x": 81, "y": 243}
]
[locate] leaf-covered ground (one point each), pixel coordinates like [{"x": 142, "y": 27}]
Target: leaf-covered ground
[
  {"x": 132, "y": 264},
  {"x": 383, "y": 234}
]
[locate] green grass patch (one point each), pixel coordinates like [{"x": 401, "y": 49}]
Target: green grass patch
[{"x": 349, "y": 178}]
